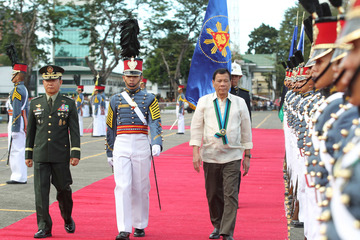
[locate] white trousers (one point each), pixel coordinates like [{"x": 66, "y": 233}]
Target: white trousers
[
  {"x": 311, "y": 224},
  {"x": 17, "y": 153},
  {"x": 97, "y": 125},
  {"x": 181, "y": 123},
  {"x": 132, "y": 164},
  {"x": 103, "y": 125},
  {"x": 81, "y": 125}
]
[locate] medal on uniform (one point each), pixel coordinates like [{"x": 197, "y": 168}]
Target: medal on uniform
[
  {"x": 222, "y": 121},
  {"x": 60, "y": 122},
  {"x": 64, "y": 122}
]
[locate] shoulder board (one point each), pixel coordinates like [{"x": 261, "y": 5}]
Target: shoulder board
[
  {"x": 67, "y": 97},
  {"x": 244, "y": 89},
  {"x": 38, "y": 97}
]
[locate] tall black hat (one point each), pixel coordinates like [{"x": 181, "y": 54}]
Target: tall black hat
[{"x": 130, "y": 47}]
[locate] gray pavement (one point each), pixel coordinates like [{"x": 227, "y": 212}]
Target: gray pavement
[{"x": 17, "y": 201}]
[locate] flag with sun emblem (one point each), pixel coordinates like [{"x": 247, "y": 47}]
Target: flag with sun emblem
[{"x": 212, "y": 51}]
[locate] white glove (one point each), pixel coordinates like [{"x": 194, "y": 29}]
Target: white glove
[
  {"x": 15, "y": 135},
  {"x": 156, "y": 150},
  {"x": 110, "y": 161}
]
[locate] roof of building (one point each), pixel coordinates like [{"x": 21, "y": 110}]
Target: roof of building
[{"x": 260, "y": 59}]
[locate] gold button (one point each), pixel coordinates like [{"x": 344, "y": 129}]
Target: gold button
[
  {"x": 49, "y": 131},
  {"x": 49, "y": 116},
  {"x": 49, "y": 124},
  {"x": 49, "y": 139}
]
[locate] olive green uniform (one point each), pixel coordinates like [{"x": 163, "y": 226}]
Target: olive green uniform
[{"x": 49, "y": 145}]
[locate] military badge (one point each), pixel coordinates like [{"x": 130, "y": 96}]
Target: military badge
[
  {"x": 50, "y": 69},
  {"x": 63, "y": 108}
]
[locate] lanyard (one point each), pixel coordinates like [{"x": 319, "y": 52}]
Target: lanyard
[{"x": 222, "y": 121}]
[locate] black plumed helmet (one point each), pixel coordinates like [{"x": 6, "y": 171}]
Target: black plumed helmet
[
  {"x": 308, "y": 27},
  {"x": 299, "y": 57},
  {"x": 326, "y": 12},
  {"x": 128, "y": 38},
  {"x": 11, "y": 52}
]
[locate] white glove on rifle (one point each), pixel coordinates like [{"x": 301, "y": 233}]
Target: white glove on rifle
[
  {"x": 156, "y": 150},
  {"x": 110, "y": 161}
]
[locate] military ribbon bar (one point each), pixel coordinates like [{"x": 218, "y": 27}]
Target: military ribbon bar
[{"x": 222, "y": 121}]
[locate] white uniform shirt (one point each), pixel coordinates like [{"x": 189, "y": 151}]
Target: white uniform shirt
[{"x": 204, "y": 125}]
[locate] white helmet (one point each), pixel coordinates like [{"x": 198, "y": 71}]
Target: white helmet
[{"x": 236, "y": 69}]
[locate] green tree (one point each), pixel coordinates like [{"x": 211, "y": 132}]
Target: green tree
[
  {"x": 170, "y": 40},
  {"x": 20, "y": 21},
  {"x": 101, "y": 20},
  {"x": 293, "y": 17},
  {"x": 263, "y": 40}
]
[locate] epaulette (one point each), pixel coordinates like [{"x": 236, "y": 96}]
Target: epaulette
[
  {"x": 66, "y": 96},
  {"x": 37, "y": 97},
  {"x": 244, "y": 89}
]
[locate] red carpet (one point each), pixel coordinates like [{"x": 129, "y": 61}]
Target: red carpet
[{"x": 184, "y": 212}]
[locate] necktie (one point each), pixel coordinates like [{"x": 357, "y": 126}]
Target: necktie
[{"x": 50, "y": 103}]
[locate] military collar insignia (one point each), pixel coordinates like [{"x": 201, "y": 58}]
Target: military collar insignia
[{"x": 132, "y": 91}]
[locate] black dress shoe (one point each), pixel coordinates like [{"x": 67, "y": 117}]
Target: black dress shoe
[
  {"x": 42, "y": 234},
  {"x": 70, "y": 227},
  {"x": 15, "y": 182},
  {"x": 123, "y": 236},
  {"x": 139, "y": 232},
  {"x": 215, "y": 234},
  {"x": 227, "y": 237}
]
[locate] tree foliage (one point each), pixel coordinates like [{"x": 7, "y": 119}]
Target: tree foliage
[
  {"x": 20, "y": 21},
  {"x": 263, "y": 40},
  {"x": 101, "y": 22},
  {"x": 171, "y": 40}
]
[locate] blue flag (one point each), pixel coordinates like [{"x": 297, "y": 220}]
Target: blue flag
[
  {"x": 212, "y": 51},
  {"x": 301, "y": 43},
  {"x": 293, "y": 43}
]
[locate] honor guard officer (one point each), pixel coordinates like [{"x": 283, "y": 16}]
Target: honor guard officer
[
  {"x": 130, "y": 115},
  {"x": 180, "y": 110},
  {"x": 79, "y": 107},
  {"x": 236, "y": 75},
  {"x": 52, "y": 144},
  {"x": 98, "y": 112},
  {"x": 18, "y": 111},
  {"x": 143, "y": 84}
]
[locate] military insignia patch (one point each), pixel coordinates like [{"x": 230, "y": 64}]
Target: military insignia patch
[
  {"x": 154, "y": 110},
  {"x": 109, "y": 118},
  {"x": 16, "y": 95},
  {"x": 50, "y": 69}
]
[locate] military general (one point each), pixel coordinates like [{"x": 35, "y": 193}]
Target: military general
[{"x": 52, "y": 144}]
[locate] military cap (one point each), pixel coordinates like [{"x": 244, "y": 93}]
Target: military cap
[
  {"x": 351, "y": 30},
  {"x": 133, "y": 66},
  {"x": 51, "y": 72},
  {"x": 130, "y": 47}
]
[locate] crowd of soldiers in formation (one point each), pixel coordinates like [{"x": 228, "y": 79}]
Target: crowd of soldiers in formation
[{"x": 321, "y": 126}]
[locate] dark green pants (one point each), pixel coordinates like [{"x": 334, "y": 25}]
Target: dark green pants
[
  {"x": 222, "y": 189},
  {"x": 59, "y": 175}
]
